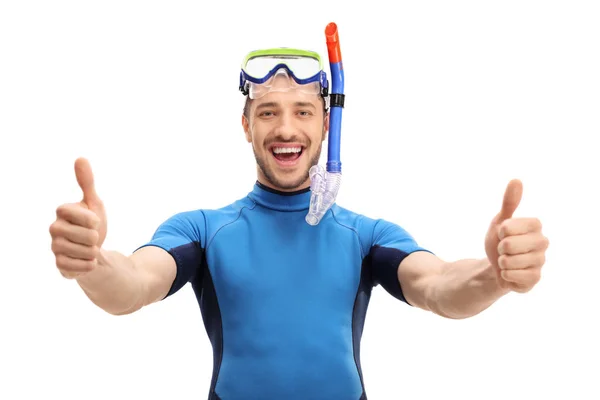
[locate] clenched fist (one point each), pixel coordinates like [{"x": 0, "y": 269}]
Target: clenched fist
[{"x": 80, "y": 228}]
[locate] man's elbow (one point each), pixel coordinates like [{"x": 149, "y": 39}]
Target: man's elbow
[
  {"x": 455, "y": 313},
  {"x": 454, "y": 316},
  {"x": 115, "y": 310},
  {"x": 119, "y": 313}
]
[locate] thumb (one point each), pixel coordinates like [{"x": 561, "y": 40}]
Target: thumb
[
  {"x": 512, "y": 198},
  {"x": 85, "y": 179}
]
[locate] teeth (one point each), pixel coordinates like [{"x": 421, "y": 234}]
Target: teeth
[{"x": 279, "y": 150}]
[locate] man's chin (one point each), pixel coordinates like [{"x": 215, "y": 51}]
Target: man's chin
[
  {"x": 289, "y": 180},
  {"x": 290, "y": 183}
]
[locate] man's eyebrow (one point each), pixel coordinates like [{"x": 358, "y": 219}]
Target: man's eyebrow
[
  {"x": 275, "y": 104},
  {"x": 266, "y": 105},
  {"x": 304, "y": 104}
]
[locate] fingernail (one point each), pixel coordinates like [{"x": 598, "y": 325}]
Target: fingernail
[{"x": 500, "y": 233}]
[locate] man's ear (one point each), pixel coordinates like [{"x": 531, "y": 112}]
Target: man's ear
[
  {"x": 326, "y": 126},
  {"x": 246, "y": 126}
]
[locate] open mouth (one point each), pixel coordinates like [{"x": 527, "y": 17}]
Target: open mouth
[{"x": 287, "y": 155}]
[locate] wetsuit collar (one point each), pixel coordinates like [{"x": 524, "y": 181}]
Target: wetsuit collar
[{"x": 281, "y": 201}]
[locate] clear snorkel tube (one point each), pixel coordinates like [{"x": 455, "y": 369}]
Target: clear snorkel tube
[{"x": 325, "y": 184}]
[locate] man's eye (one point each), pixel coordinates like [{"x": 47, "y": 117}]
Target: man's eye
[{"x": 304, "y": 113}]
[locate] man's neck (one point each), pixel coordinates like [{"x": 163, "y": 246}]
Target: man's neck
[{"x": 265, "y": 182}]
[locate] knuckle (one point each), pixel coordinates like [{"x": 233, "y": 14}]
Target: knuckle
[
  {"x": 535, "y": 224},
  {"x": 55, "y": 246},
  {"x": 55, "y": 228},
  {"x": 63, "y": 210},
  {"x": 535, "y": 275},
  {"x": 60, "y": 210},
  {"x": 542, "y": 259},
  {"x": 61, "y": 261},
  {"x": 59, "y": 245}
]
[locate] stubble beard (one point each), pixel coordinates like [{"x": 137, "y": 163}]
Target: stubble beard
[{"x": 284, "y": 184}]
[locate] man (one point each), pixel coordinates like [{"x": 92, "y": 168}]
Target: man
[{"x": 284, "y": 302}]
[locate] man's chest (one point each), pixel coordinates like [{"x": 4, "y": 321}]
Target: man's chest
[{"x": 277, "y": 263}]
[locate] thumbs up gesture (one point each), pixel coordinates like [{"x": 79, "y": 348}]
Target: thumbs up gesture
[
  {"x": 515, "y": 247},
  {"x": 80, "y": 228}
]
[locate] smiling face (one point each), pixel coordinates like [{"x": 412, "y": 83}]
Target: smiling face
[{"x": 286, "y": 130}]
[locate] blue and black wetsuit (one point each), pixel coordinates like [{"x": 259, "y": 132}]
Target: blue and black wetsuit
[{"x": 284, "y": 302}]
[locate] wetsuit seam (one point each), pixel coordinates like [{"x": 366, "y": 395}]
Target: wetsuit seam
[
  {"x": 358, "y": 289},
  {"x": 362, "y": 255},
  {"x": 218, "y": 370},
  {"x": 215, "y": 289},
  {"x": 212, "y": 239},
  {"x": 355, "y": 356}
]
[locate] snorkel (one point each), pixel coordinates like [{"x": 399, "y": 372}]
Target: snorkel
[{"x": 325, "y": 183}]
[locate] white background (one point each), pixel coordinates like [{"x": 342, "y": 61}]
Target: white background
[{"x": 446, "y": 102}]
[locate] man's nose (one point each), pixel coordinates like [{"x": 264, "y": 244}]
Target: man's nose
[{"x": 287, "y": 127}]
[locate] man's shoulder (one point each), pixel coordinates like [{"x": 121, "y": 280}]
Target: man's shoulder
[
  {"x": 369, "y": 228},
  {"x": 197, "y": 225},
  {"x": 352, "y": 219},
  {"x": 207, "y": 221},
  {"x": 362, "y": 225},
  {"x": 228, "y": 211}
]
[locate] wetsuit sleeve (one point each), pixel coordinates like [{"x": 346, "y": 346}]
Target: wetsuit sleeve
[
  {"x": 391, "y": 244},
  {"x": 182, "y": 236}
]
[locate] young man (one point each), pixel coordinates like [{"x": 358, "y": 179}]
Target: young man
[{"x": 284, "y": 302}]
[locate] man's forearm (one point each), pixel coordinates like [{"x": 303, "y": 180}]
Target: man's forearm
[
  {"x": 115, "y": 285},
  {"x": 464, "y": 288}
]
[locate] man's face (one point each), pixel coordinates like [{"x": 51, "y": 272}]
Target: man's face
[{"x": 287, "y": 130}]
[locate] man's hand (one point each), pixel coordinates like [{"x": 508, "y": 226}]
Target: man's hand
[
  {"x": 80, "y": 228},
  {"x": 516, "y": 247}
]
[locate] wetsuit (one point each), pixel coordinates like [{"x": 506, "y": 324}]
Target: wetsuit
[{"x": 284, "y": 302}]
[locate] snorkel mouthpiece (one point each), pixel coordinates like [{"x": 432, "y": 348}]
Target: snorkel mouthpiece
[{"x": 325, "y": 184}]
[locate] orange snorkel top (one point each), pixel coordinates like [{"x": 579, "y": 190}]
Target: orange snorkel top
[{"x": 333, "y": 43}]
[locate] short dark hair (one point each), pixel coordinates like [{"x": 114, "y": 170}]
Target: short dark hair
[{"x": 248, "y": 104}]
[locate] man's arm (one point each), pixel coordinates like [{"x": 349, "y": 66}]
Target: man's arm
[
  {"x": 456, "y": 290},
  {"x": 515, "y": 249},
  {"x": 114, "y": 282},
  {"x": 124, "y": 284}
]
